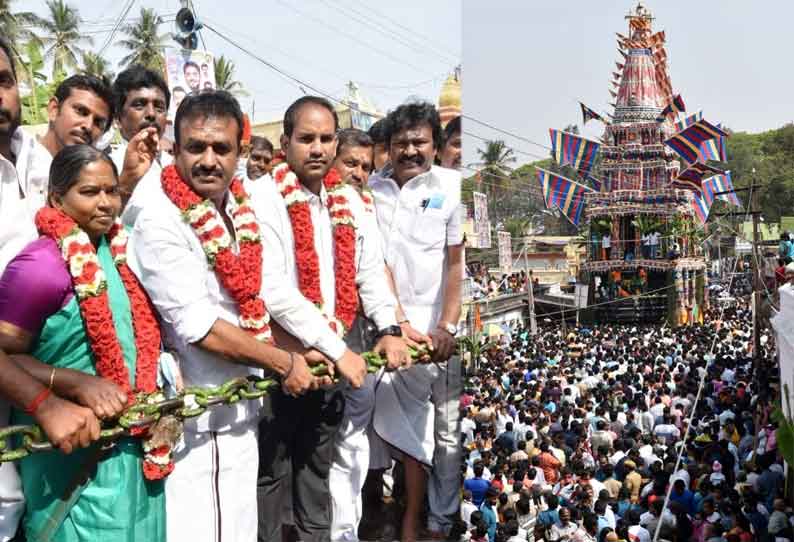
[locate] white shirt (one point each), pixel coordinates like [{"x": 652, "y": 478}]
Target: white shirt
[
  {"x": 23, "y": 191},
  {"x": 296, "y": 314},
  {"x": 467, "y": 427},
  {"x": 147, "y": 186},
  {"x": 253, "y": 187},
  {"x": 638, "y": 533},
  {"x": 166, "y": 255},
  {"x": 654, "y": 238},
  {"x": 466, "y": 510},
  {"x": 417, "y": 224},
  {"x": 606, "y": 241}
]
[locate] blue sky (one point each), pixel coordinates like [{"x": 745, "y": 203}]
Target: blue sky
[
  {"x": 526, "y": 63},
  {"x": 323, "y": 42}
]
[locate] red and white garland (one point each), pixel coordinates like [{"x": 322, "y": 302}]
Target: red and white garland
[
  {"x": 240, "y": 275},
  {"x": 368, "y": 199},
  {"x": 339, "y": 196},
  {"x": 90, "y": 286}
]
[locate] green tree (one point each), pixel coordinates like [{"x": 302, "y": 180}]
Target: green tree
[
  {"x": 16, "y": 27},
  {"x": 518, "y": 226},
  {"x": 144, "y": 44},
  {"x": 93, "y": 64},
  {"x": 495, "y": 172},
  {"x": 224, "y": 77},
  {"x": 62, "y": 39},
  {"x": 34, "y": 105},
  {"x": 767, "y": 158}
]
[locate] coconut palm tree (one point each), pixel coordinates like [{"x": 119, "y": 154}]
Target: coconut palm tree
[
  {"x": 224, "y": 77},
  {"x": 63, "y": 40},
  {"x": 495, "y": 171},
  {"x": 15, "y": 27},
  {"x": 93, "y": 64},
  {"x": 143, "y": 42}
]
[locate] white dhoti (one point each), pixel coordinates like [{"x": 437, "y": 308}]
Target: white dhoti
[
  {"x": 211, "y": 495},
  {"x": 351, "y": 461},
  {"x": 404, "y": 416},
  {"x": 12, "y": 501}
]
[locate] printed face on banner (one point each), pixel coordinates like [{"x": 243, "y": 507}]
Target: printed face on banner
[{"x": 188, "y": 71}]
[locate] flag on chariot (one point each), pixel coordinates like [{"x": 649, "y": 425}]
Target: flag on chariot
[
  {"x": 687, "y": 142},
  {"x": 720, "y": 187},
  {"x": 574, "y": 150},
  {"x": 589, "y": 114},
  {"x": 701, "y": 207},
  {"x": 562, "y": 193},
  {"x": 692, "y": 177}
]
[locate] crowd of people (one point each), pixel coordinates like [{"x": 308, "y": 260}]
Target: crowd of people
[
  {"x": 157, "y": 267},
  {"x": 625, "y": 433},
  {"x": 486, "y": 285}
]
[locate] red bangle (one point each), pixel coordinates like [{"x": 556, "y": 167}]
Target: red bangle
[{"x": 36, "y": 402}]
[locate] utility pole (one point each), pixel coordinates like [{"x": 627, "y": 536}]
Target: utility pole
[{"x": 533, "y": 324}]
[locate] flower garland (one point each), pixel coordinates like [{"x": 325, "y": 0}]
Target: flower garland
[
  {"x": 90, "y": 286},
  {"x": 339, "y": 195},
  {"x": 368, "y": 199},
  {"x": 241, "y": 274}
]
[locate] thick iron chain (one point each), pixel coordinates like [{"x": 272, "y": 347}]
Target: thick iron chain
[{"x": 149, "y": 408}]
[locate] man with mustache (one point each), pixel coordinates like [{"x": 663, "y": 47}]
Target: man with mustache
[
  {"x": 354, "y": 155},
  {"x": 416, "y": 410},
  {"x": 79, "y": 113},
  {"x": 218, "y": 331},
  {"x": 142, "y": 100},
  {"x": 315, "y": 275},
  {"x": 260, "y": 158}
]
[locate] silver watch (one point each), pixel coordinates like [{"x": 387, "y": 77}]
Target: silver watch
[{"x": 452, "y": 329}]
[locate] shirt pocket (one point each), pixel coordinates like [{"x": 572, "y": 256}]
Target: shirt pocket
[{"x": 428, "y": 230}]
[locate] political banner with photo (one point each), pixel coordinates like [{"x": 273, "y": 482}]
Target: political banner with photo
[
  {"x": 482, "y": 225},
  {"x": 505, "y": 252},
  {"x": 186, "y": 72}
]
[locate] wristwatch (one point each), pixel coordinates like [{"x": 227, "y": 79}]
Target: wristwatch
[
  {"x": 394, "y": 331},
  {"x": 452, "y": 329}
]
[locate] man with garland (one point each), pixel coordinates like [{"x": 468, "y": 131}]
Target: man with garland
[
  {"x": 142, "y": 100},
  {"x": 416, "y": 410},
  {"x": 197, "y": 249},
  {"x": 353, "y": 161},
  {"x": 322, "y": 259}
]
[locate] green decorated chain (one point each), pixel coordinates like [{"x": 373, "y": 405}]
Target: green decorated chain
[{"x": 149, "y": 408}]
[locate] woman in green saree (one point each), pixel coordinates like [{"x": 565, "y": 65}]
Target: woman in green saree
[{"x": 81, "y": 324}]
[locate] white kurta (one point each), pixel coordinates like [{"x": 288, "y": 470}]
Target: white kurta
[
  {"x": 148, "y": 186},
  {"x": 23, "y": 191},
  {"x": 303, "y": 320},
  {"x": 416, "y": 410},
  {"x": 213, "y": 486},
  {"x": 417, "y": 224},
  {"x": 284, "y": 301}
]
